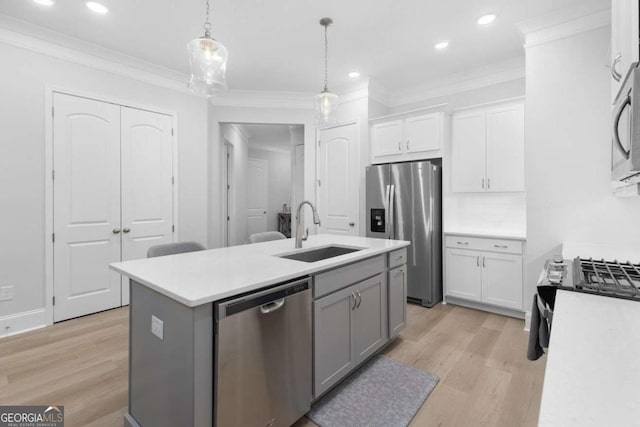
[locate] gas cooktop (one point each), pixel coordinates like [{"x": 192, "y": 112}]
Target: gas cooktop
[{"x": 600, "y": 277}]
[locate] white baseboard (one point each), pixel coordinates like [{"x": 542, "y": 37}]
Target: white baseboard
[{"x": 22, "y": 322}]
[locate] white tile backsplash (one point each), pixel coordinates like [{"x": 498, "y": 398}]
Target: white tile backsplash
[{"x": 491, "y": 213}]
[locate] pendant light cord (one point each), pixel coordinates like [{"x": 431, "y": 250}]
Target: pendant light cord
[
  {"x": 207, "y": 24},
  {"x": 326, "y": 60}
]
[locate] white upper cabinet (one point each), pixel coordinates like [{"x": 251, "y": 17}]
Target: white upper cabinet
[
  {"x": 415, "y": 137},
  {"x": 488, "y": 149},
  {"x": 624, "y": 39},
  {"x": 469, "y": 151},
  {"x": 386, "y": 139}
]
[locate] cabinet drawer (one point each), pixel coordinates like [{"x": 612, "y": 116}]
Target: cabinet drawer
[
  {"x": 482, "y": 244},
  {"x": 397, "y": 258},
  {"x": 333, "y": 280}
]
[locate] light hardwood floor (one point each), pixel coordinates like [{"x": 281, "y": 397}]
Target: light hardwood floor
[{"x": 485, "y": 378}]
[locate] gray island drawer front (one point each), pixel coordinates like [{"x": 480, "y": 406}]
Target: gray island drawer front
[
  {"x": 397, "y": 258},
  {"x": 333, "y": 280}
]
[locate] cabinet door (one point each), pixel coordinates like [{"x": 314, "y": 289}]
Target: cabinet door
[
  {"x": 338, "y": 169},
  {"x": 505, "y": 148},
  {"x": 423, "y": 133},
  {"x": 502, "y": 280},
  {"x": 386, "y": 141},
  {"x": 397, "y": 300},
  {"x": 464, "y": 275},
  {"x": 468, "y": 152},
  {"x": 370, "y": 316},
  {"x": 334, "y": 354}
]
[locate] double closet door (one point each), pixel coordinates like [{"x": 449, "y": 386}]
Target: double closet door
[{"x": 112, "y": 198}]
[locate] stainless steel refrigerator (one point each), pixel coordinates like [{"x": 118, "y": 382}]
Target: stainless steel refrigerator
[{"x": 404, "y": 202}]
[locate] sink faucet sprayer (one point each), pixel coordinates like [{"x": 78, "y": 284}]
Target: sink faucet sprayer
[{"x": 316, "y": 220}]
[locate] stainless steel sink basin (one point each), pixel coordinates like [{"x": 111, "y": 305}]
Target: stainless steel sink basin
[{"x": 319, "y": 254}]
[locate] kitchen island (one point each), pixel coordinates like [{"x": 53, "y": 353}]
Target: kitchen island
[{"x": 173, "y": 323}]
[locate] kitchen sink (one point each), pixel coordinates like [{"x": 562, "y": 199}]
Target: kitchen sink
[{"x": 319, "y": 254}]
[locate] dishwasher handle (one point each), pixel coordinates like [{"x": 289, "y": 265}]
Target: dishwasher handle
[{"x": 272, "y": 306}]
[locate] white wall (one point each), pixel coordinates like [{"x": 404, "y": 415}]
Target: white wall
[
  {"x": 280, "y": 185},
  {"x": 238, "y": 182},
  {"x": 218, "y": 116},
  {"x": 567, "y": 151},
  {"x": 23, "y": 77}
]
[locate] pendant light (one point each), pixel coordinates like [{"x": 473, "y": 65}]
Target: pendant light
[
  {"x": 326, "y": 103},
  {"x": 208, "y": 60}
]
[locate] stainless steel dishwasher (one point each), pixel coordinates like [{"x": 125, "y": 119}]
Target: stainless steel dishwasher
[{"x": 263, "y": 357}]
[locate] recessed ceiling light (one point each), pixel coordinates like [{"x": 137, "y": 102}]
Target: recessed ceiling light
[
  {"x": 442, "y": 45},
  {"x": 96, "y": 7},
  {"x": 45, "y": 2},
  {"x": 354, "y": 74},
  {"x": 486, "y": 19}
]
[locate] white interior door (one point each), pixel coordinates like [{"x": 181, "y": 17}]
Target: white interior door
[
  {"x": 147, "y": 184},
  {"x": 338, "y": 167},
  {"x": 86, "y": 206},
  {"x": 257, "y": 197}
]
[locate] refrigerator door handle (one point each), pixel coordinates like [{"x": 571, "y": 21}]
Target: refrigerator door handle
[
  {"x": 392, "y": 205},
  {"x": 386, "y": 211}
]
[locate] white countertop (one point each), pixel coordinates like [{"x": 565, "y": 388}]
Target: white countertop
[
  {"x": 592, "y": 377},
  {"x": 198, "y": 278},
  {"x": 492, "y": 234}
]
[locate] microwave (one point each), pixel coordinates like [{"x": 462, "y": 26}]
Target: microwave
[{"x": 625, "y": 138}]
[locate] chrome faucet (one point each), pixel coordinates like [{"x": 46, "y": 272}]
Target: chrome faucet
[{"x": 316, "y": 220}]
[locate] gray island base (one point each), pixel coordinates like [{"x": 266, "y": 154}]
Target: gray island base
[{"x": 339, "y": 312}]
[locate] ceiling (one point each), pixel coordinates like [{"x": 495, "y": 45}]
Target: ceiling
[
  {"x": 278, "y": 44},
  {"x": 268, "y": 136}
]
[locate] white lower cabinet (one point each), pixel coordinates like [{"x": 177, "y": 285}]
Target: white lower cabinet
[
  {"x": 397, "y": 286},
  {"x": 350, "y": 326},
  {"x": 482, "y": 272}
]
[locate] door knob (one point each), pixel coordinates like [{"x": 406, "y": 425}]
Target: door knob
[
  {"x": 352, "y": 224},
  {"x": 116, "y": 231},
  {"x": 126, "y": 230}
]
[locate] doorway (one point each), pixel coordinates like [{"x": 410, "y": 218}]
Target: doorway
[{"x": 264, "y": 178}]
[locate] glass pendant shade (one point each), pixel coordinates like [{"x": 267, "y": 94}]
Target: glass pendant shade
[
  {"x": 208, "y": 60},
  {"x": 326, "y": 105}
]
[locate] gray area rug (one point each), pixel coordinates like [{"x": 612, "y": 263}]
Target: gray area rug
[{"x": 383, "y": 392}]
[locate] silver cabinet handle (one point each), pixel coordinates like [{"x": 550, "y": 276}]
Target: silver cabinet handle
[
  {"x": 483, "y": 183},
  {"x": 399, "y": 145},
  {"x": 462, "y": 243},
  {"x": 398, "y": 273},
  {"x": 126, "y": 230},
  {"x": 359, "y": 299},
  {"x": 408, "y": 142},
  {"x": 488, "y": 183},
  {"x": 614, "y": 73},
  {"x": 272, "y": 306},
  {"x": 116, "y": 231},
  {"x": 352, "y": 224},
  {"x": 501, "y": 246},
  {"x": 355, "y": 300},
  {"x": 398, "y": 258},
  {"x": 483, "y": 262},
  {"x": 478, "y": 261}
]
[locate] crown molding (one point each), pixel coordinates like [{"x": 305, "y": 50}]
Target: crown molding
[
  {"x": 264, "y": 99},
  {"x": 565, "y": 22},
  {"x": 30, "y": 37},
  {"x": 493, "y": 74}
]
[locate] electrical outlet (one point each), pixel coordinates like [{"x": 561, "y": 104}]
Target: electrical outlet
[
  {"x": 6, "y": 293},
  {"x": 157, "y": 327}
]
